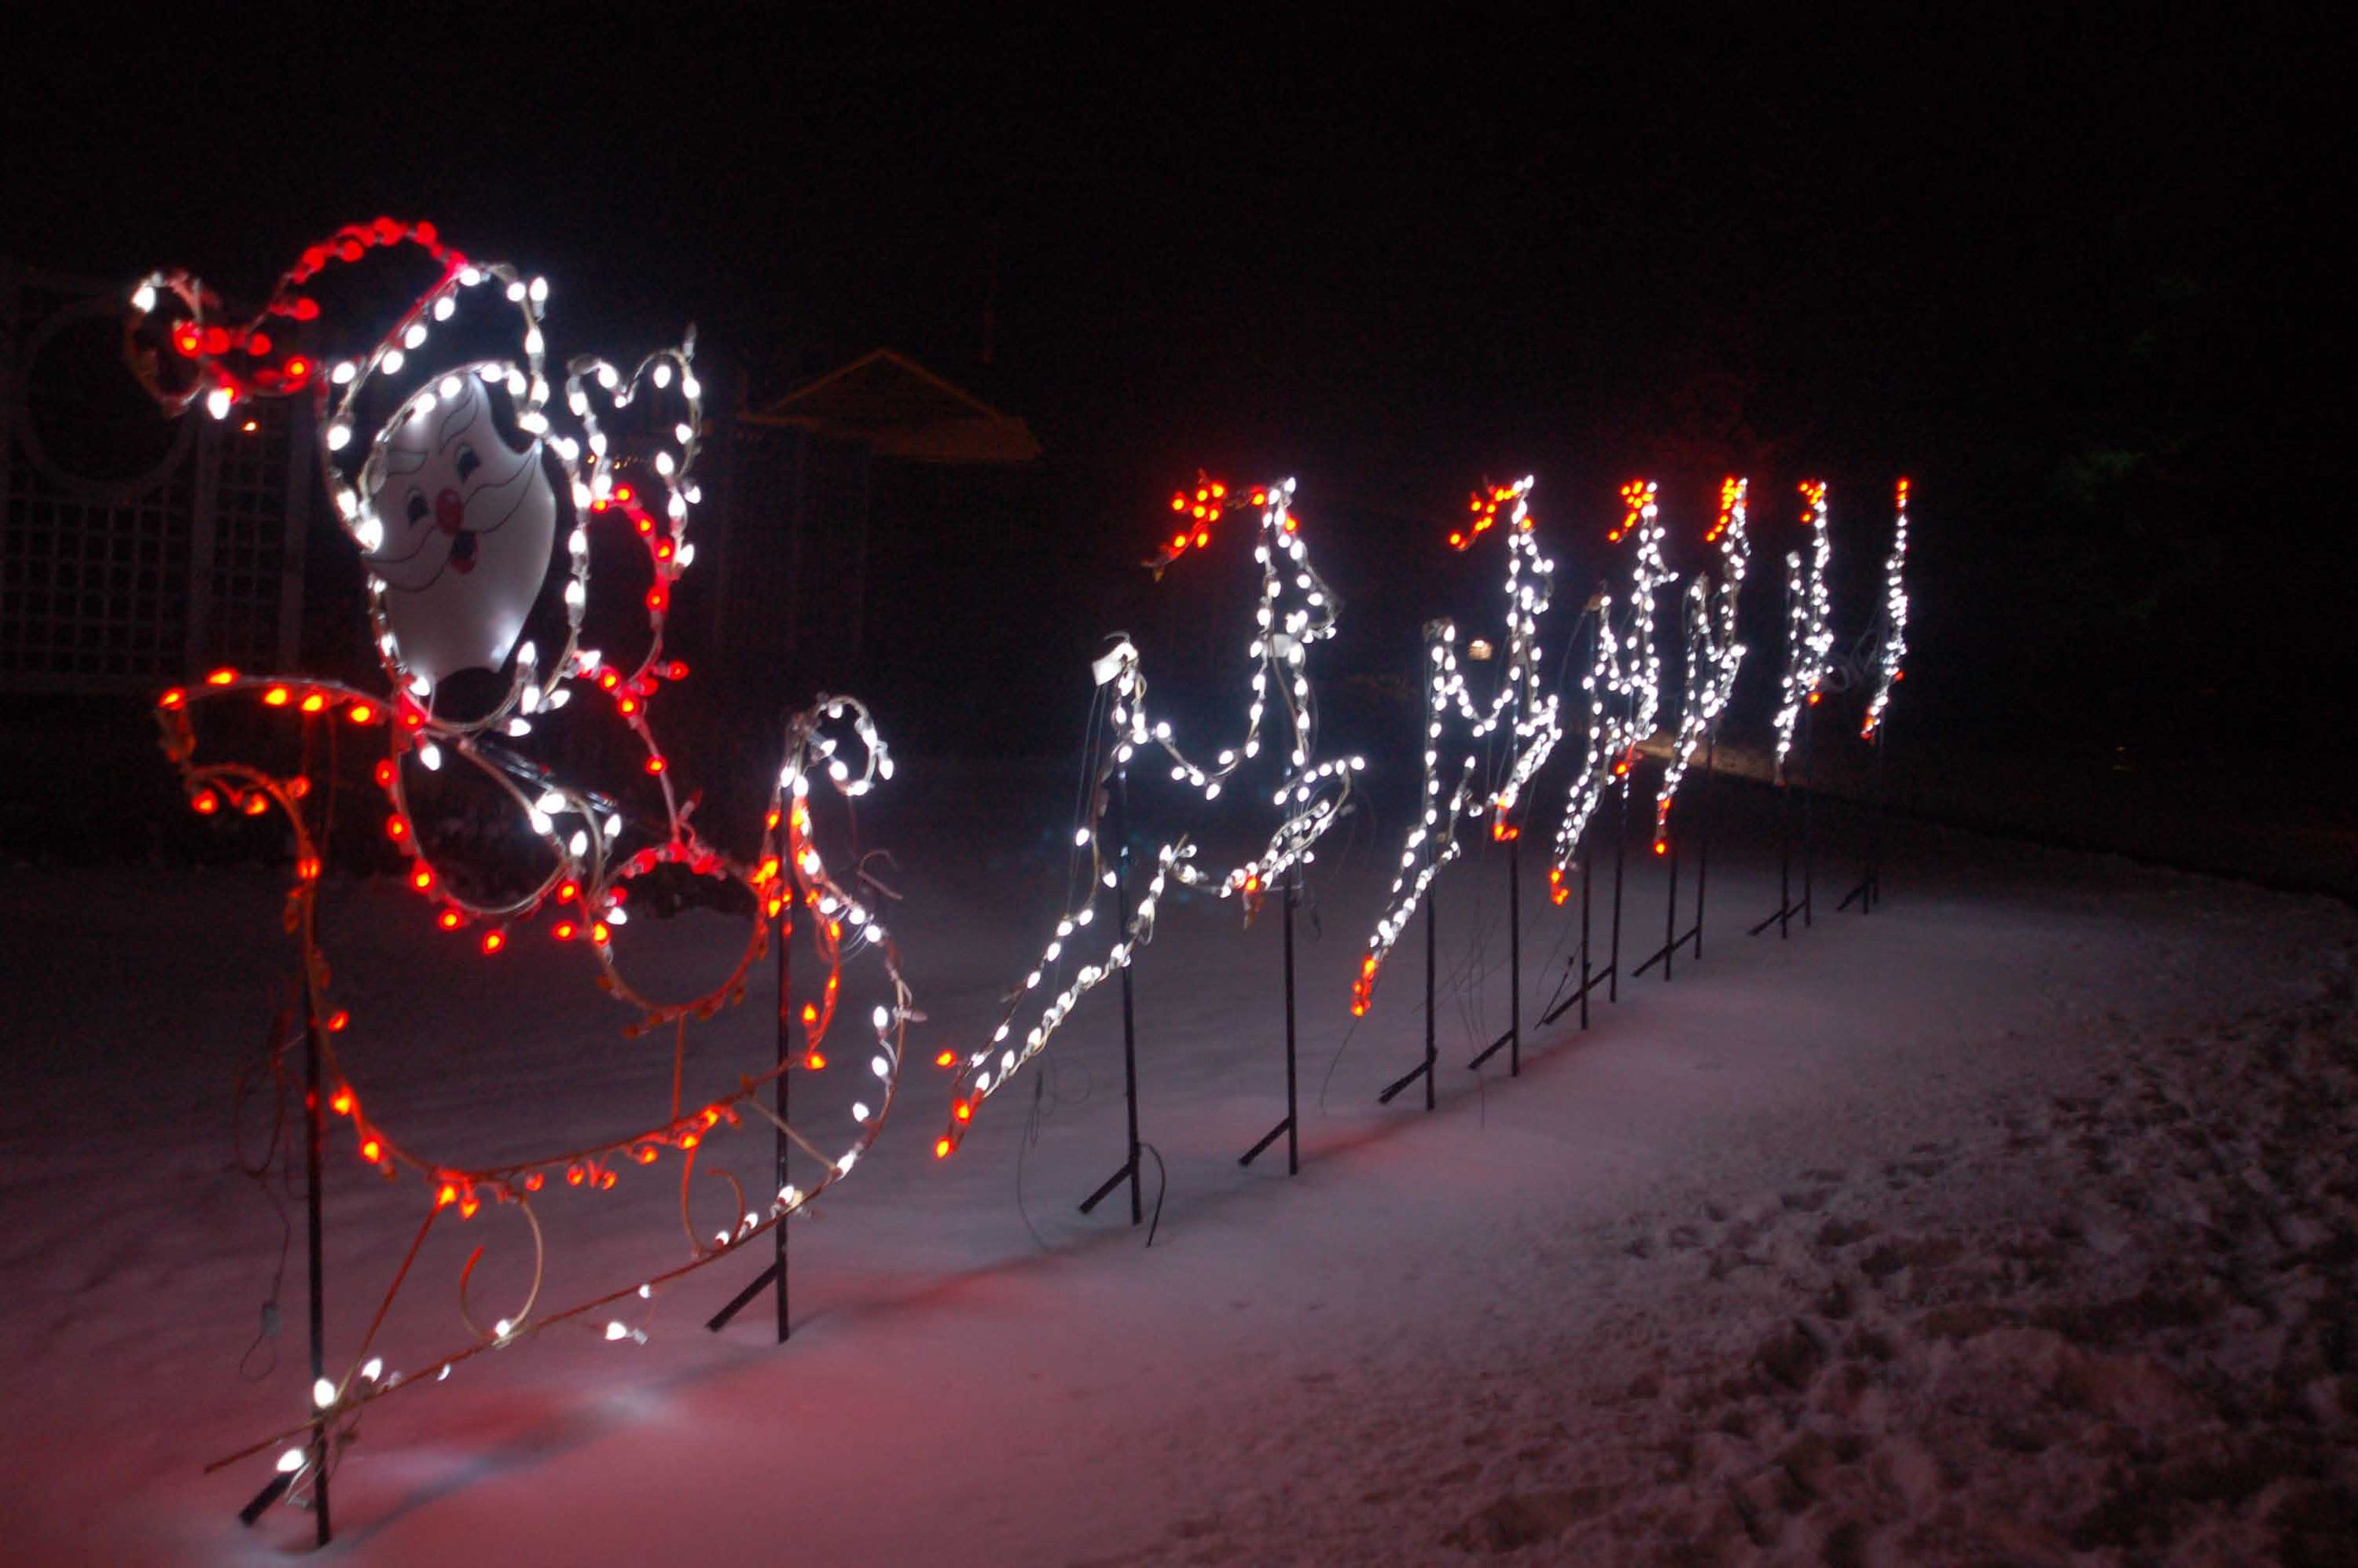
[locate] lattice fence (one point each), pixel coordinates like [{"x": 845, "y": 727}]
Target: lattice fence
[{"x": 134, "y": 551}]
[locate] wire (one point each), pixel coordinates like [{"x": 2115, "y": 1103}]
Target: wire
[
  {"x": 1047, "y": 1101},
  {"x": 1023, "y": 1147},
  {"x": 259, "y": 1171},
  {"x": 1162, "y": 1185}
]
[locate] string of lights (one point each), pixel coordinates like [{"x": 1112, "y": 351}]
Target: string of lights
[
  {"x": 466, "y": 499},
  {"x": 1712, "y": 653},
  {"x": 1809, "y": 630},
  {"x": 1891, "y": 644},
  {"x": 1623, "y": 681},
  {"x": 1530, "y": 714},
  {"x": 1296, "y": 611}
]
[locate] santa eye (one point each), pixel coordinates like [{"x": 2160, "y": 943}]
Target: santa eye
[
  {"x": 466, "y": 462},
  {"x": 418, "y": 507}
]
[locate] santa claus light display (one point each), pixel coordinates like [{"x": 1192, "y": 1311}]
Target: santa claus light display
[{"x": 472, "y": 510}]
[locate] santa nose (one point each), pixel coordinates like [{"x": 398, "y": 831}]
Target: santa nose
[{"x": 450, "y": 511}]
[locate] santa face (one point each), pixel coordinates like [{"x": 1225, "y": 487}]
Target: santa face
[{"x": 469, "y": 524}]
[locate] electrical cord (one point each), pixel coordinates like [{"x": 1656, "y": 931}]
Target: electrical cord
[
  {"x": 259, "y": 1171},
  {"x": 1162, "y": 1185}
]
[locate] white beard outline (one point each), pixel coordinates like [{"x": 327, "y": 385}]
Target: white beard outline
[{"x": 457, "y": 599}]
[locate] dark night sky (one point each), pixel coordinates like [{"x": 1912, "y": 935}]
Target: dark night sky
[{"x": 2003, "y": 256}]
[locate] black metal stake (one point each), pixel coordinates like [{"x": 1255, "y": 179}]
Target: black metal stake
[
  {"x": 776, "y": 1271},
  {"x": 1515, "y": 954},
  {"x": 313, "y": 1142},
  {"x": 1670, "y": 916},
  {"x": 1703, "y": 835},
  {"x": 1672, "y": 940},
  {"x": 1422, "y": 1069},
  {"x": 1513, "y": 1038},
  {"x": 1876, "y": 823},
  {"x": 1672, "y": 937},
  {"x": 778, "y": 1231},
  {"x": 1291, "y": 1126},
  {"x": 1129, "y": 1171},
  {"x": 1590, "y": 977},
  {"x": 314, "y": 1151},
  {"x": 1587, "y": 980},
  {"x": 1781, "y": 917},
  {"x": 1293, "y": 1083},
  {"x": 1808, "y": 793},
  {"x": 1432, "y": 1001},
  {"x": 1620, "y": 854},
  {"x": 1869, "y": 891},
  {"x": 1784, "y": 915}
]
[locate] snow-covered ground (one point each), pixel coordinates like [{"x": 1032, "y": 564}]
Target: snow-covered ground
[{"x": 2016, "y": 1222}]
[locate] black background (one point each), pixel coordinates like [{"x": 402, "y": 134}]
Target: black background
[{"x": 2072, "y": 273}]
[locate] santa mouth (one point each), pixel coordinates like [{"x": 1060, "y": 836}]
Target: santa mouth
[{"x": 462, "y": 552}]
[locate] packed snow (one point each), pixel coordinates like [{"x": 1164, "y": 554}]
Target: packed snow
[{"x": 2014, "y": 1222}]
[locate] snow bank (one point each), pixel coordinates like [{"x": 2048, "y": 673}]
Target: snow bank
[{"x": 2013, "y": 1221}]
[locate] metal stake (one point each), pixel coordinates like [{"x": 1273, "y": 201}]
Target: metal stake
[
  {"x": 1809, "y": 790},
  {"x": 1869, "y": 892},
  {"x": 1422, "y": 1069},
  {"x": 1513, "y": 1038},
  {"x": 313, "y": 1140},
  {"x": 1781, "y": 917},
  {"x": 1588, "y": 887},
  {"x": 1620, "y": 854},
  {"x": 1702, "y": 835},
  {"x": 1432, "y": 1001},
  {"x": 1129, "y": 1170},
  {"x": 1590, "y": 978},
  {"x": 1672, "y": 940},
  {"x": 1291, "y": 1126},
  {"x": 778, "y": 1231},
  {"x": 776, "y": 1271}
]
